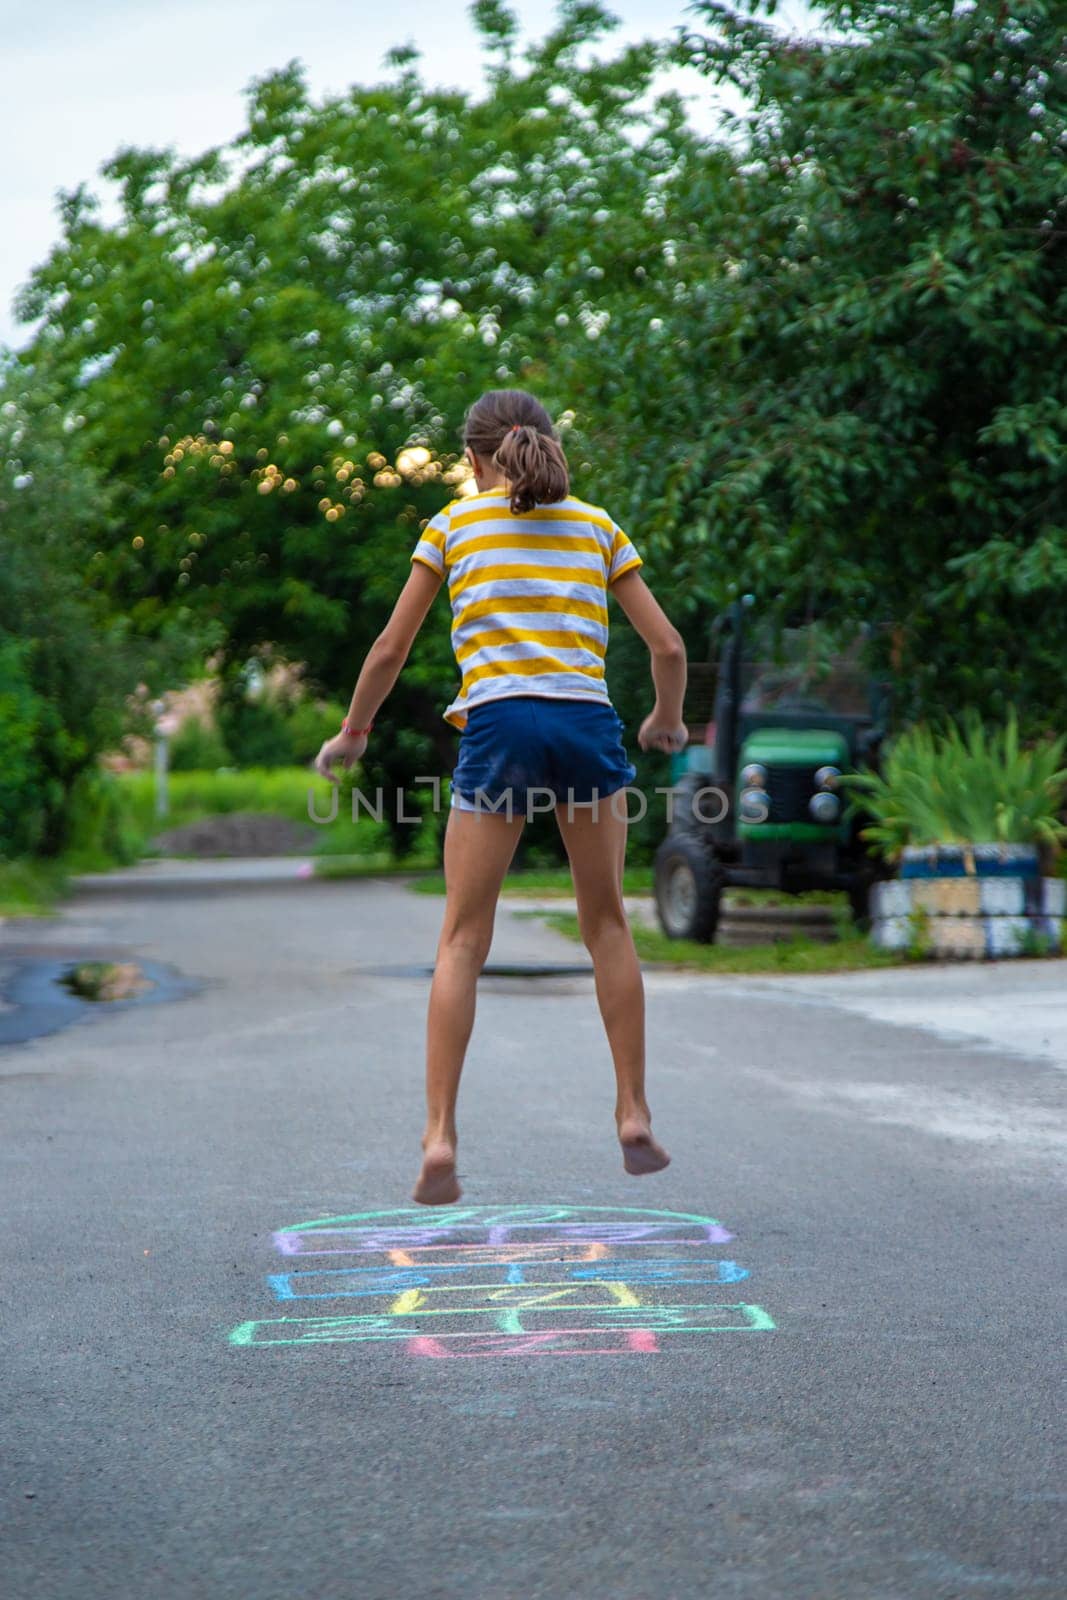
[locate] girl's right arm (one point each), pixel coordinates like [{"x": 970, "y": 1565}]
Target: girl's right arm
[
  {"x": 382, "y": 667},
  {"x": 663, "y": 728}
]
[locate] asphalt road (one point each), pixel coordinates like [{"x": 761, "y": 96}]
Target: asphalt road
[{"x": 817, "y": 1359}]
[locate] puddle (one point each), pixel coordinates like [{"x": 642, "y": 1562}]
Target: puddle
[{"x": 36, "y": 998}]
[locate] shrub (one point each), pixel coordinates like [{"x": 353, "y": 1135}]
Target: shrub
[
  {"x": 102, "y": 827},
  {"x": 965, "y": 784},
  {"x": 197, "y": 747},
  {"x": 255, "y": 732},
  {"x": 310, "y": 724},
  {"x": 22, "y": 779}
]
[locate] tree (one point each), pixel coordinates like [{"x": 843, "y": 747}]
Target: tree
[
  {"x": 67, "y": 663},
  {"x": 865, "y": 412},
  {"x": 274, "y": 348}
]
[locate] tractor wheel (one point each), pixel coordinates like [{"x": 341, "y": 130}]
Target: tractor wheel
[{"x": 689, "y": 883}]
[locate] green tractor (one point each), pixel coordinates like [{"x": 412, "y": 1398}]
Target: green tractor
[{"x": 758, "y": 800}]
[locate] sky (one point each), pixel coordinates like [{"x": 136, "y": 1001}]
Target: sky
[{"x": 78, "y": 80}]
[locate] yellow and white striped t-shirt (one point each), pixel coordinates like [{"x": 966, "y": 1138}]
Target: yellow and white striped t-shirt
[{"x": 529, "y": 595}]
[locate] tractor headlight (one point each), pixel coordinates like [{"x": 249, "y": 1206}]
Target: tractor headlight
[
  {"x": 753, "y": 776},
  {"x": 824, "y": 807},
  {"x": 827, "y": 777},
  {"x": 754, "y": 805}
]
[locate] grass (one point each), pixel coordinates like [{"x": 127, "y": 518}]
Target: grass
[
  {"x": 544, "y": 882},
  {"x": 378, "y": 864},
  {"x": 549, "y": 882},
  {"x": 30, "y": 888},
  {"x": 847, "y": 954},
  {"x": 265, "y": 791}
]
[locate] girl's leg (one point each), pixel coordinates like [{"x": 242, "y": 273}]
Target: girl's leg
[
  {"x": 478, "y": 851},
  {"x": 595, "y": 839}
]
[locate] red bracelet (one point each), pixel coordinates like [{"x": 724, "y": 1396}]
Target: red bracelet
[{"x": 355, "y": 733}]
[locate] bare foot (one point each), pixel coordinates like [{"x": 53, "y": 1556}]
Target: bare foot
[
  {"x": 437, "y": 1184},
  {"x": 640, "y": 1151}
]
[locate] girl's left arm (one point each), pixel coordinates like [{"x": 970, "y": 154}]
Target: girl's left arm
[{"x": 382, "y": 667}]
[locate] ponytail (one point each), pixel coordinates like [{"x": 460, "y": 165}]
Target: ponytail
[
  {"x": 514, "y": 431},
  {"x": 535, "y": 467}
]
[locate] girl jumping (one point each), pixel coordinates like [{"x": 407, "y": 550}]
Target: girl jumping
[{"x": 528, "y": 566}]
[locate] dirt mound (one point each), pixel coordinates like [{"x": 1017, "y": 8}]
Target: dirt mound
[{"x": 237, "y": 833}]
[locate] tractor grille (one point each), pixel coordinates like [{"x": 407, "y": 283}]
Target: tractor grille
[{"x": 790, "y": 789}]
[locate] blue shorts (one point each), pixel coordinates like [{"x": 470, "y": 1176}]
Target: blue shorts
[{"x": 521, "y": 743}]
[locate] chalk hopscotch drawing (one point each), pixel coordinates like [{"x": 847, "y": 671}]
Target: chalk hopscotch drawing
[{"x": 504, "y": 1281}]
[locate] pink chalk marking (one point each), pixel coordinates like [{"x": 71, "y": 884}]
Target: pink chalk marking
[{"x": 549, "y": 1342}]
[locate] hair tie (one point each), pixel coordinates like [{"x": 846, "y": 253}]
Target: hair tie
[{"x": 517, "y": 428}]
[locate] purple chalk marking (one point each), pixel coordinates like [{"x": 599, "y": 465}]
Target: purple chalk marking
[
  {"x": 375, "y": 1241},
  {"x": 484, "y": 1217}
]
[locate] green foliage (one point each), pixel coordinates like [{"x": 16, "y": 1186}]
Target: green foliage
[
  {"x": 268, "y": 326},
  {"x": 62, "y": 668},
  {"x": 101, "y": 829},
  {"x": 854, "y": 402},
  {"x": 823, "y": 360},
  {"x": 292, "y": 792},
  {"x": 266, "y": 730},
  {"x": 255, "y": 732},
  {"x": 23, "y": 795},
  {"x": 30, "y": 888},
  {"x": 309, "y": 724},
  {"x": 197, "y": 747},
  {"x": 67, "y": 662},
  {"x": 965, "y": 784}
]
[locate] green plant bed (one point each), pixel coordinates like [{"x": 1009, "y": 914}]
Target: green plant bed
[
  {"x": 965, "y": 784},
  {"x": 791, "y": 955}
]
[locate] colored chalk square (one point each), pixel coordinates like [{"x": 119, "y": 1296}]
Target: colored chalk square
[
  {"x": 476, "y": 1346},
  {"x": 660, "y": 1320},
  {"x": 332, "y": 1241},
  {"x": 343, "y": 1282}
]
